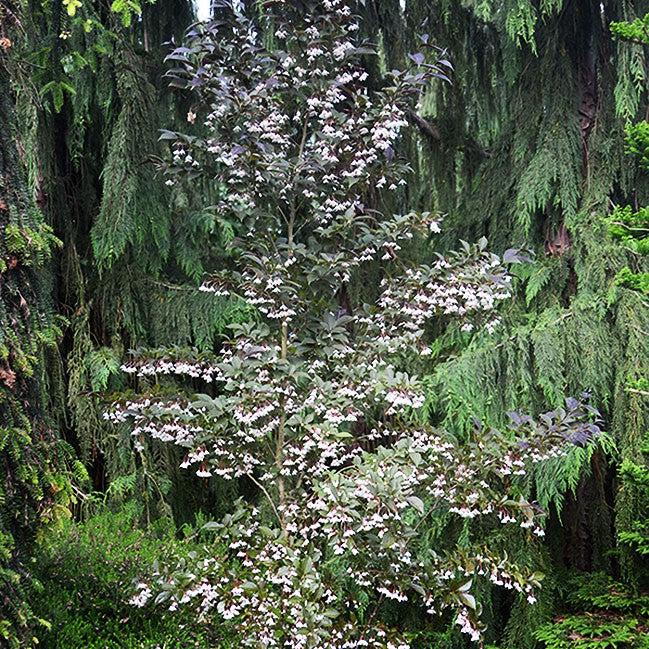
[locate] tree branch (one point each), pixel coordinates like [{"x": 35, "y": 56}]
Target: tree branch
[{"x": 427, "y": 128}]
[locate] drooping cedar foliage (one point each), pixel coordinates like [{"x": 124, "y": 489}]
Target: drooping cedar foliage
[
  {"x": 602, "y": 609},
  {"x": 534, "y": 125},
  {"x": 133, "y": 251}
]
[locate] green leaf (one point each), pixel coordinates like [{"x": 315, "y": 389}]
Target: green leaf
[
  {"x": 416, "y": 502},
  {"x": 468, "y": 600}
]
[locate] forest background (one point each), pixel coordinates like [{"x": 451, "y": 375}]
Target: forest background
[{"x": 538, "y": 143}]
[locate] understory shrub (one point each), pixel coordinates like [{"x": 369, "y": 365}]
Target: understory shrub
[
  {"x": 85, "y": 578},
  {"x": 600, "y": 614}
]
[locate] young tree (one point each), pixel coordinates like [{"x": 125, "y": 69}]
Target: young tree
[{"x": 312, "y": 405}]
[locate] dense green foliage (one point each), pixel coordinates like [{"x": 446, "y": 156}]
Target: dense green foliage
[
  {"x": 603, "y": 613},
  {"x": 35, "y": 490},
  {"x": 132, "y": 251},
  {"x": 540, "y": 142},
  {"x": 85, "y": 578}
]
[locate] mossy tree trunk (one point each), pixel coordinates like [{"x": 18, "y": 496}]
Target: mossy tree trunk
[{"x": 34, "y": 489}]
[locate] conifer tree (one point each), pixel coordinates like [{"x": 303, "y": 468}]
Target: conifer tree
[
  {"x": 612, "y": 610},
  {"x": 133, "y": 250},
  {"x": 534, "y": 122}
]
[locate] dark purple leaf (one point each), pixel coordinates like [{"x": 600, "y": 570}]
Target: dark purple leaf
[
  {"x": 572, "y": 403},
  {"x": 516, "y": 256},
  {"x": 443, "y": 77}
]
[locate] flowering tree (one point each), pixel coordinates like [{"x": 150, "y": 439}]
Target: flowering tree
[{"x": 310, "y": 404}]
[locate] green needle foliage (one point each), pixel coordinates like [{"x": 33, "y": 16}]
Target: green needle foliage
[
  {"x": 607, "y": 613},
  {"x": 91, "y": 100}
]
